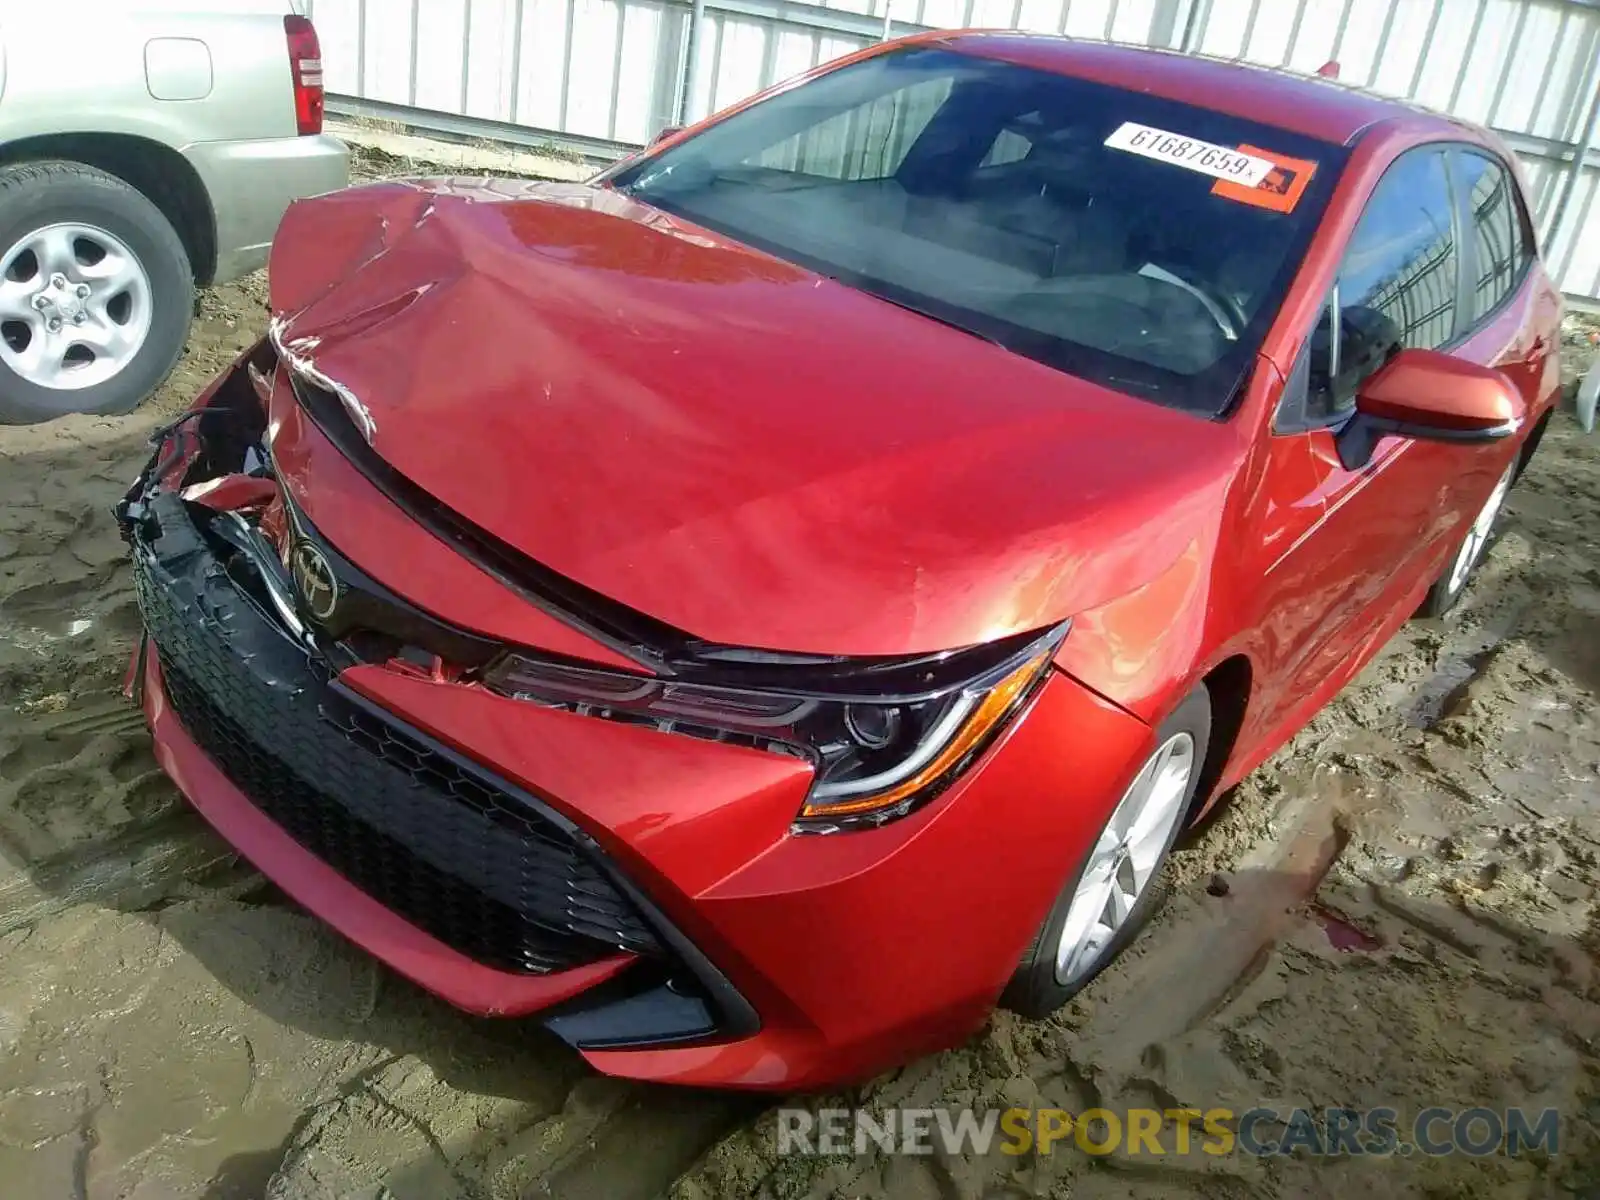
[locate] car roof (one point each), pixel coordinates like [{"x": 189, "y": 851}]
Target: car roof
[{"x": 1311, "y": 105}]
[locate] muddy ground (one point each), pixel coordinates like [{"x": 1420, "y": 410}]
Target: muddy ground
[{"x": 1398, "y": 910}]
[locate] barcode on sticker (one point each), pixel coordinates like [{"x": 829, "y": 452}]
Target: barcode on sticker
[{"x": 1207, "y": 158}]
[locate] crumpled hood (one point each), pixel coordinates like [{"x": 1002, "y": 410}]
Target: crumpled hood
[{"x": 729, "y": 443}]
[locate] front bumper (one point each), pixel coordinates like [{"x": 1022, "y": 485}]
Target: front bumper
[
  {"x": 321, "y": 889},
  {"x": 511, "y": 857},
  {"x": 467, "y": 883},
  {"x": 252, "y": 183}
]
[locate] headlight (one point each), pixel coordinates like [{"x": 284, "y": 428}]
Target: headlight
[{"x": 884, "y": 735}]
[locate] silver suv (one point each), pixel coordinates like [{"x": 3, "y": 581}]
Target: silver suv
[{"x": 158, "y": 156}]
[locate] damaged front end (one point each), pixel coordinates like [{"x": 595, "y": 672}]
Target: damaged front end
[
  {"x": 251, "y": 618},
  {"x": 214, "y": 463},
  {"x": 275, "y": 655}
]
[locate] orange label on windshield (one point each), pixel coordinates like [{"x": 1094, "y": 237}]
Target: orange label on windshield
[{"x": 1280, "y": 191}]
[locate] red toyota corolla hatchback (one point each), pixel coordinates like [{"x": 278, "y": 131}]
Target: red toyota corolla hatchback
[{"x": 764, "y": 607}]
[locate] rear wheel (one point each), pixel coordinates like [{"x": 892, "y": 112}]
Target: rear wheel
[
  {"x": 1452, "y": 585},
  {"x": 1114, "y": 890},
  {"x": 96, "y": 293}
]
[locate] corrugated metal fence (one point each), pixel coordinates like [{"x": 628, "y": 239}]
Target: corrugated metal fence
[{"x": 602, "y": 76}]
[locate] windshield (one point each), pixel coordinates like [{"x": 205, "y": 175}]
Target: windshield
[{"x": 1138, "y": 242}]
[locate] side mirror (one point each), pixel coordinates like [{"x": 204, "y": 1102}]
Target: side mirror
[
  {"x": 666, "y": 132},
  {"x": 1368, "y": 338},
  {"x": 1427, "y": 394}
]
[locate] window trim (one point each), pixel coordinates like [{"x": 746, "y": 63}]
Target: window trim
[
  {"x": 1290, "y": 416},
  {"x": 1466, "y": 249}
]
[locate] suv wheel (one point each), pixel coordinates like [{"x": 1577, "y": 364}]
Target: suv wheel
[{"x": 96, "y": 293}]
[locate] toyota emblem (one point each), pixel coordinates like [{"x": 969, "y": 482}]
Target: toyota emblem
[{"x": 315, "y": 581}]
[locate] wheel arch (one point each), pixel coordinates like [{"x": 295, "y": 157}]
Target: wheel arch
[
  {"x": 152, "y": 168},
  {"x": 1228, "y": 685},
  {"x": 1530, "y": 444}
]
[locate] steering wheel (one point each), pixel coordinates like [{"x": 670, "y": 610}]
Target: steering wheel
[{"x": 1233, "y": 310}]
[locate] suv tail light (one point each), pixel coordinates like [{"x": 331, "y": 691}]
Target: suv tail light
[{"x": 305, "y": 67}]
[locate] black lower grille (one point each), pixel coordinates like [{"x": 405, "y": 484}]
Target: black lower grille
[{"x": 479, "y": 866}]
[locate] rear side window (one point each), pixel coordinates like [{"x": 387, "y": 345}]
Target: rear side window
[{"x": 1497, "y": 229}]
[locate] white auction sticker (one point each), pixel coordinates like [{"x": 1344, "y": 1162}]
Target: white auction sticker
[{"x": 1220, "y": 162}]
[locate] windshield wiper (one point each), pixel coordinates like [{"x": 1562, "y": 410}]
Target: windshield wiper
[
  {"x": 690, "y": 174},
  {"x": 929, "y": 313}
]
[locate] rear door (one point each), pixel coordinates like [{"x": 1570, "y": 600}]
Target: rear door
[{"x": 1514, "y": 310}]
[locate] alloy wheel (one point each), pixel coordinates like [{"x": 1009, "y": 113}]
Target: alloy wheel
[
  {"x": 1125, "y": 859},
  {"x": 75, "y": 306}
]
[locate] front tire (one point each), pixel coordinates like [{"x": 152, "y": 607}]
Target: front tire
[
  {"x": 1114, "y": 890},
  {"x": 96, "y": 293}
]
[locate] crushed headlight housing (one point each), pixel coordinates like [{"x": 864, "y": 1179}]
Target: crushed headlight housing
[{"x": 883, "y": 735}]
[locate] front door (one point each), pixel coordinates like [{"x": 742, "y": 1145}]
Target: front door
[{"x": 1409, "y": 278}]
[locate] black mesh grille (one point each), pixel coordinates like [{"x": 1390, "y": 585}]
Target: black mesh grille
[{"x": 421, "y": 832}]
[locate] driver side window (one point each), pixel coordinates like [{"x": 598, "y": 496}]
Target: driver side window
[{"x": 1397, "y": 287}]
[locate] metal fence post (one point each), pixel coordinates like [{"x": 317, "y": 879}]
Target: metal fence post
[
  {"x": 1194, "y": 25},
  {"x": 1163, "y": 23},
  {"x": 691, "y": 64},
  {"x": 1580, "y": 153}
]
